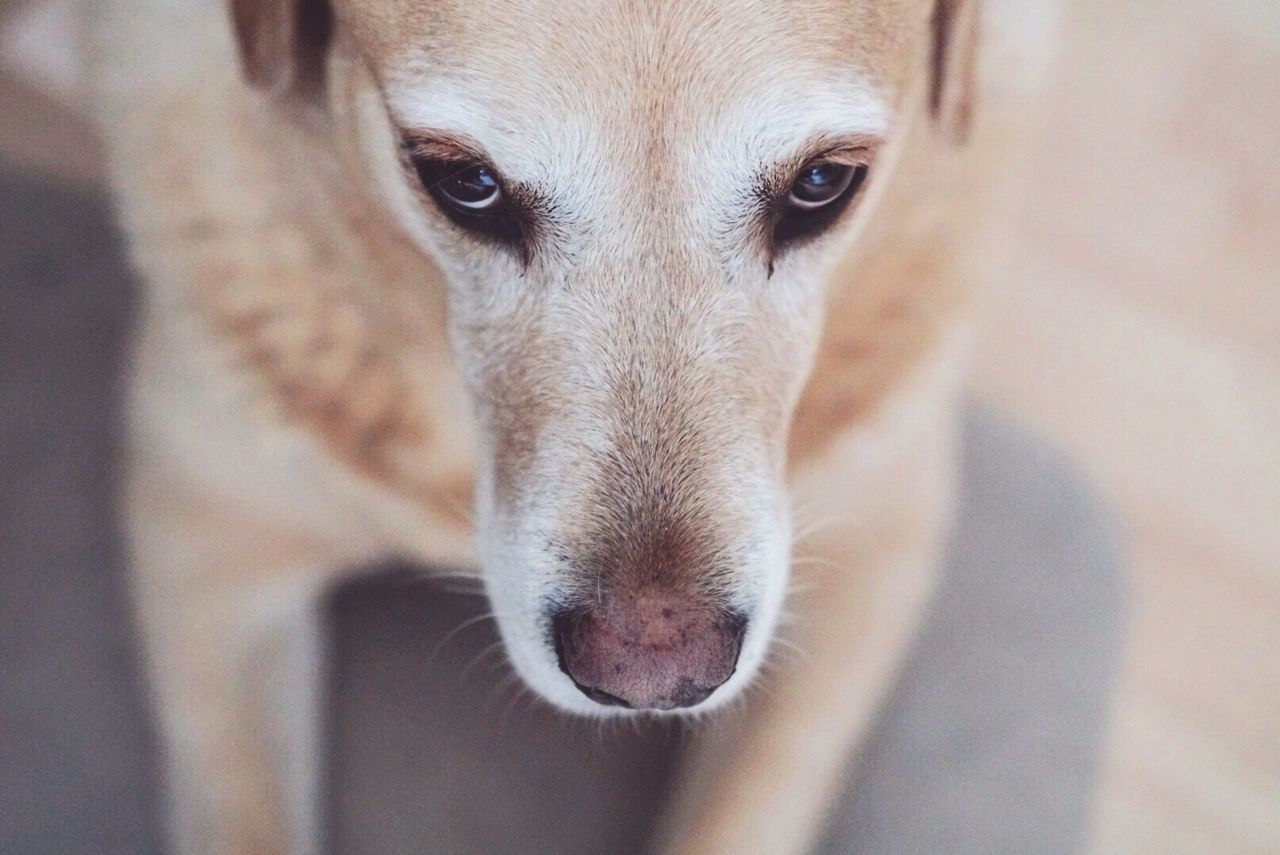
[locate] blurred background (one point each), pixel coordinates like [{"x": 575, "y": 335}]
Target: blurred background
[{"x": 1134, "y": 321}]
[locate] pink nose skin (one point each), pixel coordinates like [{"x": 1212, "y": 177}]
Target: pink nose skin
[{"x": 649, "y": 653}]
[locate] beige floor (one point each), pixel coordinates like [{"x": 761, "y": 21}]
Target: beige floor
[
  {"x": 1138, "y": 324},
  {"x": 1136, "y": 321}
]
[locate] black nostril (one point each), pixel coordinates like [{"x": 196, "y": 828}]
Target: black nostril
[
  {"x": 562, "y": 623},
  {"x": 687, "y": 694},
  {"x": 601, "y": 697}
]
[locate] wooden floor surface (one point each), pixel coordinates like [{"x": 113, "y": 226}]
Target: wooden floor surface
[{"x": 1136, "y": 321}]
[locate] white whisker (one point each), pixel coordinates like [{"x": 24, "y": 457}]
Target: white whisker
[{"x": 453, "y": 633}]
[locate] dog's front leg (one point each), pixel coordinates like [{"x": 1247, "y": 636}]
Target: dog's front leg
[
  {"x": 762, "y": 784},
  {"x": 230, "y": 624}
]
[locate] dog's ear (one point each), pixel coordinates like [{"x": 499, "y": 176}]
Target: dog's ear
[
  {"x": 952, "y": 64},
  {"x": 283, "y": 44}
]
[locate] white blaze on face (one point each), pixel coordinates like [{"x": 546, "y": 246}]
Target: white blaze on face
[{"x": 639, "y": 366}]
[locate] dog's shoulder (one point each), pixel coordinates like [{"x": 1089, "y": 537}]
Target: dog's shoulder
[{"x": 230, "y": 223}]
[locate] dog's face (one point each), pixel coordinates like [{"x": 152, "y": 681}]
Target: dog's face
[{"x": 636, "y": 207}]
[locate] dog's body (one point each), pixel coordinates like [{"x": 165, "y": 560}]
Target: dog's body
[{"x": 298, "y": 408}]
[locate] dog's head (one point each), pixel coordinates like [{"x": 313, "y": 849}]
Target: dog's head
[{"x": 636, "y": 206}]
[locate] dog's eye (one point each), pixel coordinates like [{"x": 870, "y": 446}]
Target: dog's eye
[
  {"x": 816, "y": 197},
  {"x": 821, "y": 184},
  {"x": 471, "y": 188},
  {"x": 472, "y": 195}
]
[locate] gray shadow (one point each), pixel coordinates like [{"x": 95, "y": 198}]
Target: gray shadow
[{"x": 76, "y": 772}]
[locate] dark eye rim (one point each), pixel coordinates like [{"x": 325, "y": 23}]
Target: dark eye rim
[
  {"x": 503, "y": 224},
  {"x": 793, "y": 225},
  {"x": 435, "y": 173}
]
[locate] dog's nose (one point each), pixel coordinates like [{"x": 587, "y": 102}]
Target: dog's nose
[{"x": 650, "y": 652}]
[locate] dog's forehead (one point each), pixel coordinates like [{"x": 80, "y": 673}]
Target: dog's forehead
[
  {"x": 626, "y": 35},
  {"x": 559, "y": 76}
]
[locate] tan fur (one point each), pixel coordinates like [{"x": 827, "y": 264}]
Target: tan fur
[
  {"x": 317, "y": 383},
  {"x": 906, "y": 287}
]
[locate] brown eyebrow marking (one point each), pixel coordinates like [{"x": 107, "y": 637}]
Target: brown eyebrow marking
[
  {"x": 442, "y": 145},
  {"x": 847, "y": 149}
]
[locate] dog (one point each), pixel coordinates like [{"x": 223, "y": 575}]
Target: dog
[{"x": 629, "y": 309}]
